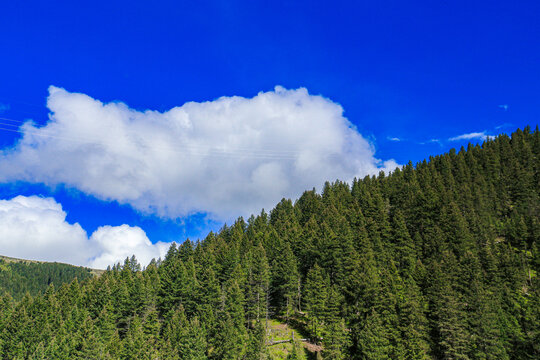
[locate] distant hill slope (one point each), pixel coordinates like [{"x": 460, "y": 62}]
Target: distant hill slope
[{"x": 19, "y": 276}]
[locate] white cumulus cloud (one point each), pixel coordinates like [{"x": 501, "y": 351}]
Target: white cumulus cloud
[
  {"x": 35, "y": 228},
  {"x": 227, "y": 157},
  {"x": 118, "y": 242}
]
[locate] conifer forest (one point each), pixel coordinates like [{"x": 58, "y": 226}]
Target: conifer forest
[
  {"x": 437, "y": 260},
  {"x": 20, "y": 277}
]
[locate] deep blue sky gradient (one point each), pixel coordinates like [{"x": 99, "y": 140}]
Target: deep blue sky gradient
[{"x": 415, "y": 70}]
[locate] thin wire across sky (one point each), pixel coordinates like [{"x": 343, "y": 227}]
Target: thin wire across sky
[{"x": 14, "y": 126}]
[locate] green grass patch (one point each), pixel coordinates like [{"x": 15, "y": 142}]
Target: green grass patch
[{"x": 279, "y": 330}]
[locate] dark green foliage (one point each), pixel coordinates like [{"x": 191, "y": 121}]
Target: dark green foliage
[
  {"x": 20, "y": 277},
  {"x": 434, "y": 261},
  {"x": 315, "y": 296}
]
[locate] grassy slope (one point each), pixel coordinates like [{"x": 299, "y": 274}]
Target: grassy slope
[
  {"x": 8, "y": 260},
  {"x": 278, "y": 330}
]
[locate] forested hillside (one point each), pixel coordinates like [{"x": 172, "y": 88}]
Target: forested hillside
[
  {"x": 435, "y": 261},
  {"x": 17, "y": 276}
]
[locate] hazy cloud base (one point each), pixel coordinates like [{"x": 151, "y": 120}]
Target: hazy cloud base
[
  {"x": 227, "y": 157},
  {"x": 36, "y": 228}
]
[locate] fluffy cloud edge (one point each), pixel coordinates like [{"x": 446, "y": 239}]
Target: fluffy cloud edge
[
  {"x": 227, "y": 157},
  {"x": 35, "y": 228}
]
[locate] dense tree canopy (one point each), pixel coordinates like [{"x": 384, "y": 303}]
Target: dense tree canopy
[
  {"x": 18, "y": 277},
  {"x": 434, "y": 261}
]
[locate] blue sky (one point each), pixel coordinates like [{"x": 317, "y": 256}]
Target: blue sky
[{"x": 409, "y": 77}]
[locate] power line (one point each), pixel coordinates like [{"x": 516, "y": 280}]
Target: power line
[
  {"x": 197, "y": 147},
  {"x": 13, "y": 125}
]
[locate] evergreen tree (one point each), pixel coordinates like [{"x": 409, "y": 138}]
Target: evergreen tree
[
  {"x": 438, "y": 260},
  {"x": 316, "y": 288},
  {"x": 285, "y": 281}
]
